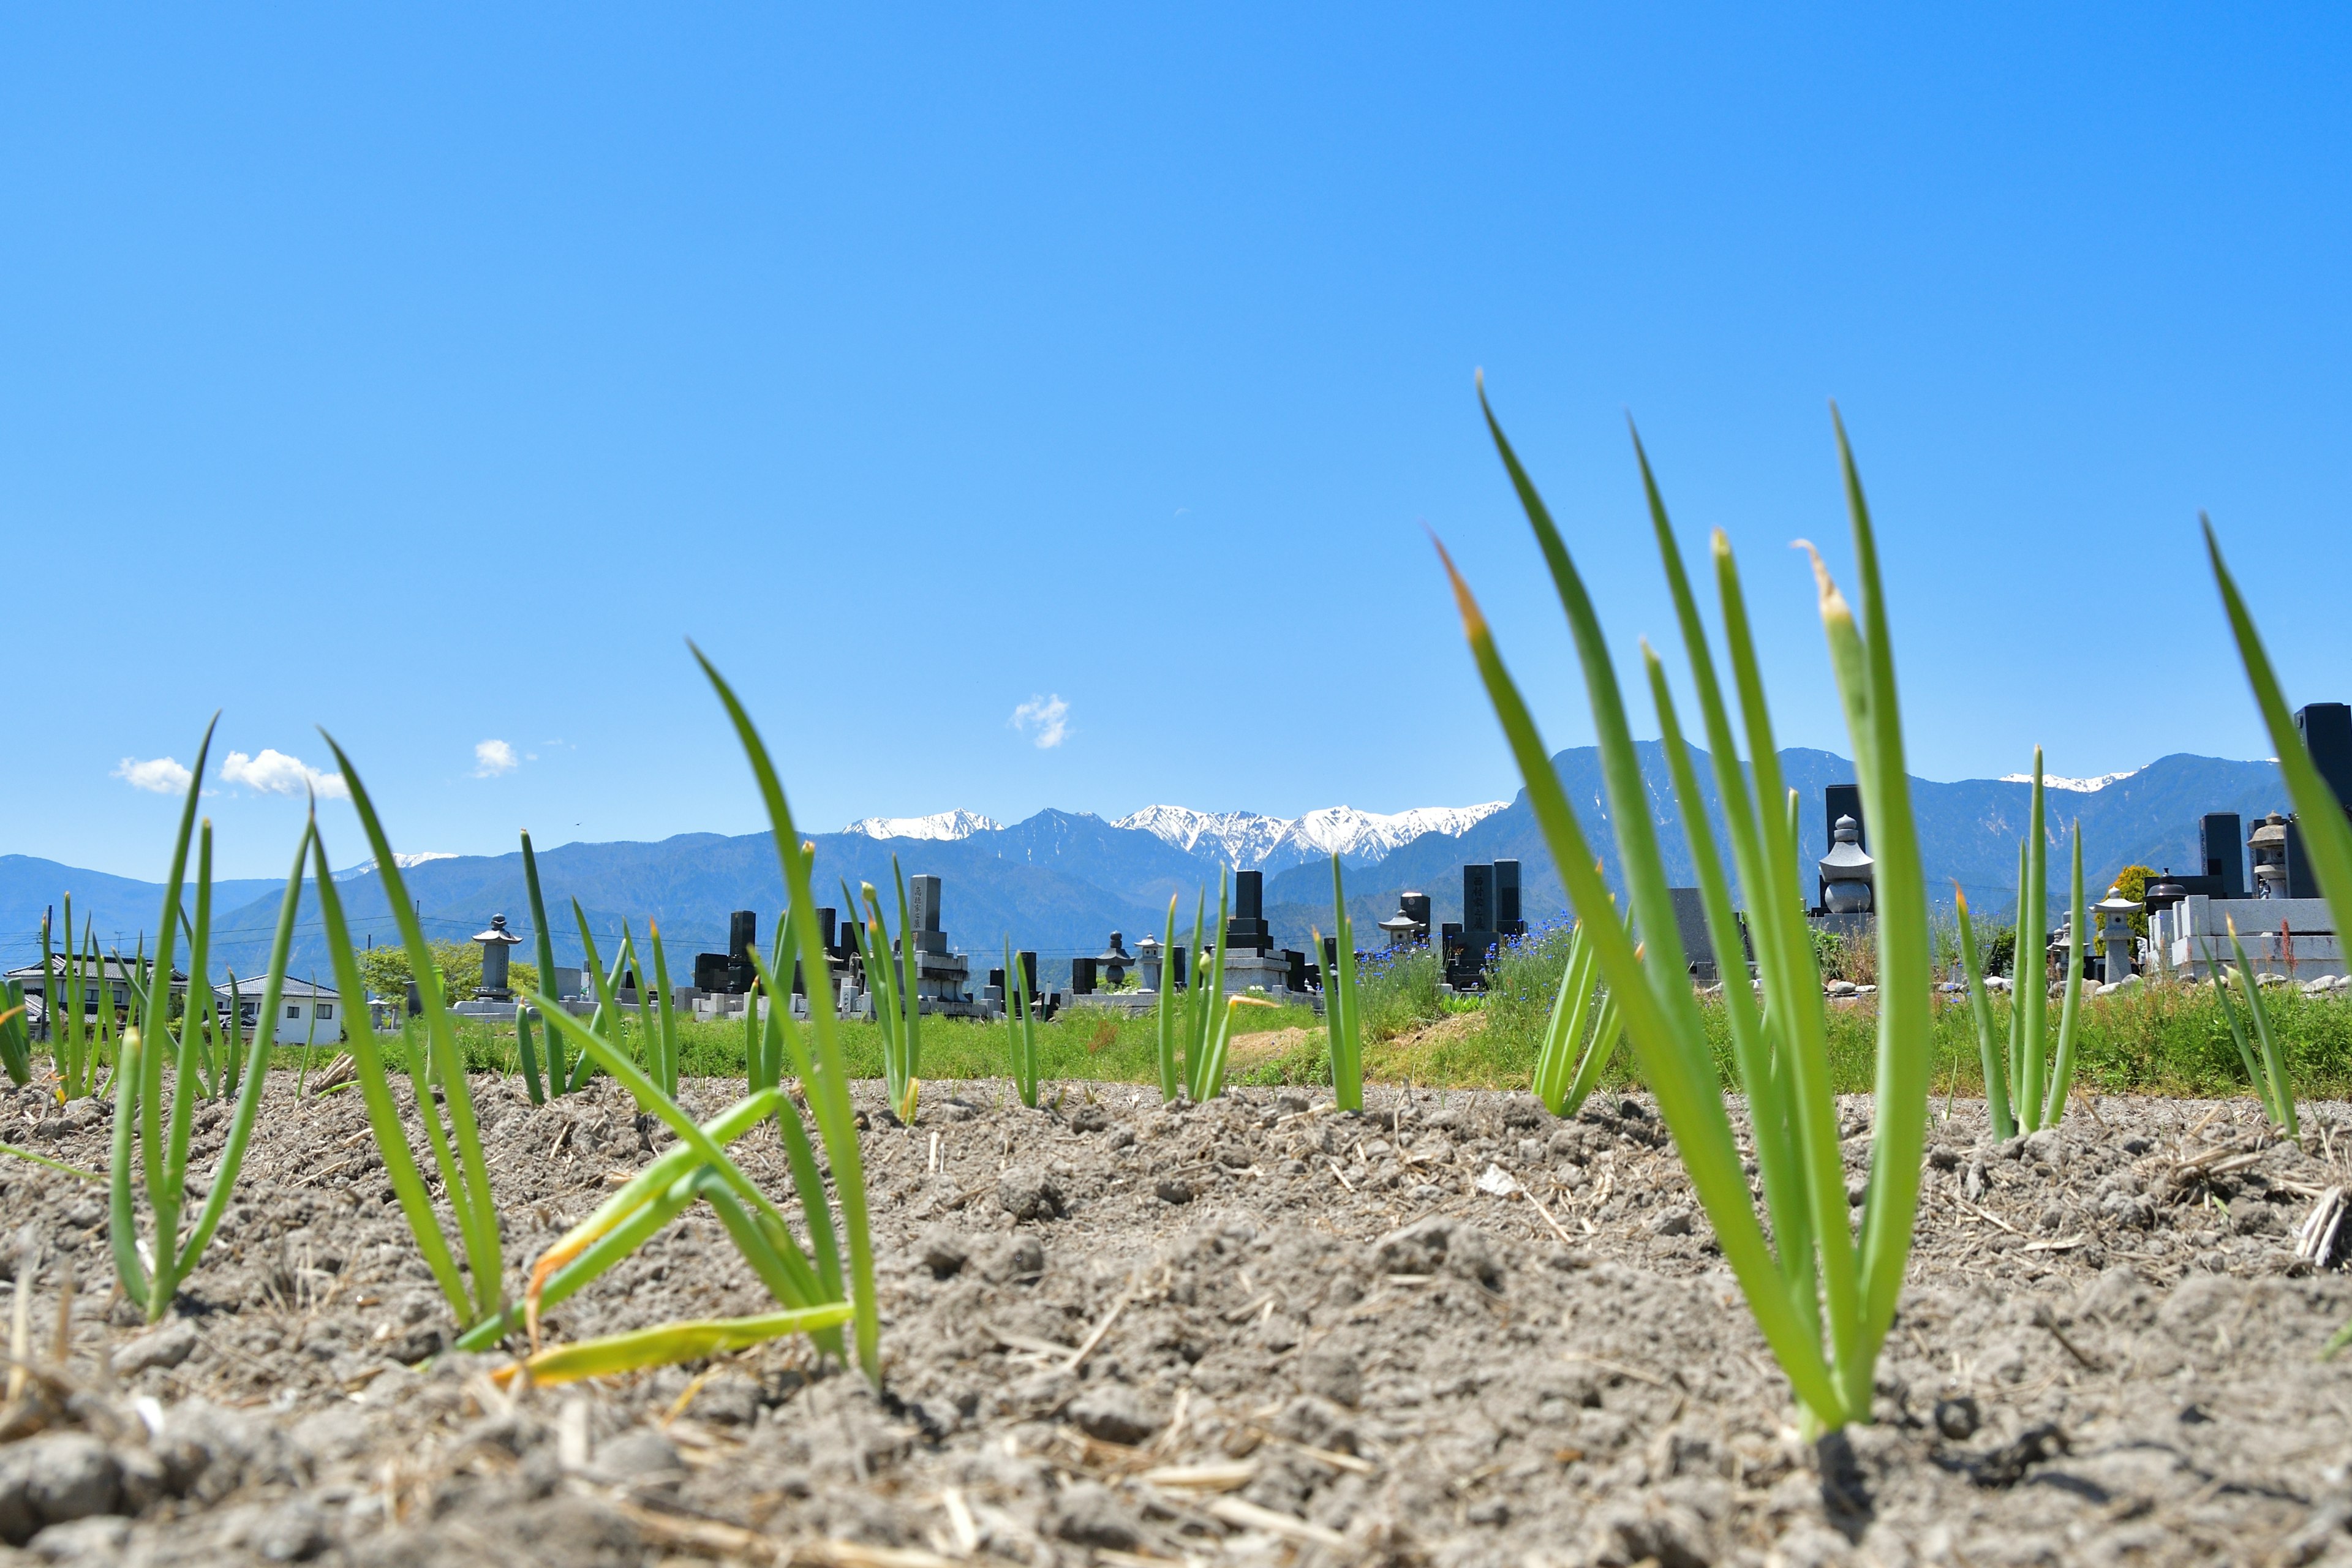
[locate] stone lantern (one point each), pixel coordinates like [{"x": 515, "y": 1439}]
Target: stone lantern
[
  {"x": 2267, "y": 847},
  {"x": 495, "y": 943},
  {"x": 1409, "y": 924},
  {"x": 1116, "y": 961},
  {"x": 1846, "y": 872},
  {"x": 2115, "y": 912},
  {"x": 1148, "y": 960}
]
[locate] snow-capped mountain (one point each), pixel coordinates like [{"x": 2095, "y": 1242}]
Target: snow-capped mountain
[
  {"x": 417, "y": 857},
  {"x": 1251, "y": 841},
  {"x": 956, "y": 824},
  {"x": 2080, "y": 786},
  {"x": 1244, "y": 839}
]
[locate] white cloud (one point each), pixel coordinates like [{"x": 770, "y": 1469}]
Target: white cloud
[
  {"x": 159, "y": 775},
  {"x": 275, "y": 773},
  {"x": 1047, "y": 717},
  {"x": 492, "y": 758}
]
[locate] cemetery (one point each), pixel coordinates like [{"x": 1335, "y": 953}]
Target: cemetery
[
  {"x": 1078, "y": 786},
  {"x": 1472, "y": 1242}
]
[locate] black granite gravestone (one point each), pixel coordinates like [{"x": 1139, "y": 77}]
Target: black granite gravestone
[
  {"x": 923, "y": 911},
  {"x": 1508, "y": 920},
  {"x": 1477, "y": 898},
  {"x": 1842, "y": 800},
  {"x": 2221, "y": 845},
  {"x": 1246, "y": 927},
  {"x": 2327, "y": 731}
]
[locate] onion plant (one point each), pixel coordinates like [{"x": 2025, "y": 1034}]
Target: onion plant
[
  {"x": 1206, "y": 1029},
  {"x": 696, "y": 1169},
  {"x": 1580, "y": 1037},
  {"x": 1021, "y": 1020},
  {"x": 2264, "y": 1061},
  {"x": 2026, "y": 1086},
  {"x": 76, "y": 1045},
  {"x": 456, "y": 1148},
  {"x": 1822, "y": 1297},
  {"x": 1342, "y": 1022},
  {"x": 1171, "y": 1028},
  {"x": 15, "y": 1035},
  {"x": 610, "y": 1016},
  {"x": 152, "y": 1124},
  {"x": 2319, "y": 816},
  {"x": 544, "y": 936},
  {"x": 763, "y": 1038},
  {"x": 660, "y": 1017},
  {"x": 825, "y": 1077},
  {"x": 896, "y": 979}
]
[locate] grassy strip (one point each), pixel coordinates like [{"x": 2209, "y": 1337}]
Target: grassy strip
[
  {"x": 2159, "y": 1040},
  {"x": 1080, "y": 1043}
]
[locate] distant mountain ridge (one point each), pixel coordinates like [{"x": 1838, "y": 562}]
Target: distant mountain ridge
[
  {"x": 1060, "y": 882},
  {"x": 1250, "y": 842},
  {"x": 938, "y": 824}
]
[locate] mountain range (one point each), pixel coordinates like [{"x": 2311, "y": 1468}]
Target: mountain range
[{"x": 1060, "y": 882}]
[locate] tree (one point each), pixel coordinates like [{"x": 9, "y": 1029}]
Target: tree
[
  {"x": 2132, "y": 883},
  {"x": 387, "y": 974}
]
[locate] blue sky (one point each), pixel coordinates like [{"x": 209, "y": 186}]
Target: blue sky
[{"x": 432, "y": 374}]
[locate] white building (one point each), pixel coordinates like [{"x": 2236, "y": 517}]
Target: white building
[{"x": 305, "y": 1012}]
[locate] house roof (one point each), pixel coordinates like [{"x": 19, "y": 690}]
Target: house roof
[
  {"x": 114, "y": 969},
  {"x": 289, "y": 989}
]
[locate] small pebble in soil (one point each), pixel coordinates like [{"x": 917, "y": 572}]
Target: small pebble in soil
[
  {"x": 1029, "y": 1194},
  {"x": 167, "y": 1346},
  {"x": 54, "y": 1478},
  {"x": 1089, "y": 1515},
  {"x": 1332, "y": 1373},
  {"x": 1957, "y": 1419},
  {"x": 1014, "y": 1257},
  {"x": 1114, "y": 1414},
  {"x": 944, "y": 1253},
  {"x": 637, "y": 1456},
  {"x": 1173, "y": 1190}
]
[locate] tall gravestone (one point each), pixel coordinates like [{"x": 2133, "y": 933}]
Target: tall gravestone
[
  {"x": 1245, "y": 928},
  {"x": 2327, "y": 731},
  {"x": 1507, "y": 919},
  {"x": 1843, "y": 800},
  {"x": 2221, "y": 845},
  {"x": 1698, "y": 943},
  {"x": 1478, "y": 899},
  {"x": 923, "y": 909}
]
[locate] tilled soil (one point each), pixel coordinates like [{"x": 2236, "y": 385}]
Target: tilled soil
[{"x": 1252, "y": 1332}]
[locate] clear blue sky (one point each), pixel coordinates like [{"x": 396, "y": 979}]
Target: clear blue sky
[{"x": 432, "y": 373}]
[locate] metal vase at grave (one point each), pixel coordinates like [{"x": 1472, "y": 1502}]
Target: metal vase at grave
[
  {"x": 2115, "y": 912},
  {"x": 495, "y": 943}
]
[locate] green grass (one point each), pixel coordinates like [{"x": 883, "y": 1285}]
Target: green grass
[
  {"x": 1080, "y": 1043},
  {"x": 2159, "y": 1040},
  {"x": 2162, "y": 1040}
]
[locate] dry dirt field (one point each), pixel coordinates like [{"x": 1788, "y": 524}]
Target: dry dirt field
[{"x": 1255, "y": 1331}]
